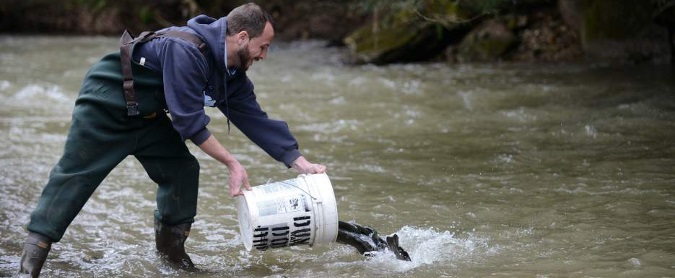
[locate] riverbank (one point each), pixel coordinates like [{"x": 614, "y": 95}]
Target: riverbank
[{"x": 383, "y": 32}]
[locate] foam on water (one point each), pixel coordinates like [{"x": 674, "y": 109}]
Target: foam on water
[
  {"x": 4, "y": 84},
  {"x": 39, "y": 99},
  {"x": 34, "y": 92},
  {"x": 428, "y": 246}
]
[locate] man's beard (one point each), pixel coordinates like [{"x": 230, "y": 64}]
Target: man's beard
[{"x": 244, "y": 57}]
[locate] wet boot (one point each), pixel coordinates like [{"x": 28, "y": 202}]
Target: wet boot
[
  {"x": 170, "y": 242},
  {"x": 34, "y": 254}
]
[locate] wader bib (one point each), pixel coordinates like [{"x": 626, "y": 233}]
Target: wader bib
[{"x": 109, "y": 123}]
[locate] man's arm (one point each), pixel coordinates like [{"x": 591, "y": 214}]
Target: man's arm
[
  {"x": 238, "y": 175},
  {"x": 273, "y": 136}
]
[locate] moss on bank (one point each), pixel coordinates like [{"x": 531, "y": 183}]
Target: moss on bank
[{"x": 385, "y": 31}]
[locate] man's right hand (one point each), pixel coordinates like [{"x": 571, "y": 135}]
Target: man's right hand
[{"x": 238, "y": 176}]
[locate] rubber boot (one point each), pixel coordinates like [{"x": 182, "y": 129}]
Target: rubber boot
[
  {"x": 170, "y": 242},
  {"x": 34, "y": 254}
]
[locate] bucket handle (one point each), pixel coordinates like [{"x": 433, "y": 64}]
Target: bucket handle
[{"x": 293, "y": 185}]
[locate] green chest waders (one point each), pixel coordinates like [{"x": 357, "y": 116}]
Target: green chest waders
[{"x": 112, "y": 119}]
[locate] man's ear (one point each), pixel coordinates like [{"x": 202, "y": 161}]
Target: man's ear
[{"x": 241, "y": 37}]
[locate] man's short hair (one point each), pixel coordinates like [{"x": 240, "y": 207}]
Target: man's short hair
[{"x": 248, "y": 17}]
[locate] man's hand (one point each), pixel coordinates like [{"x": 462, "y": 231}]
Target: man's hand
[
  {"x": 238, "y": 176},
  {"x": 305, "y": 167}
]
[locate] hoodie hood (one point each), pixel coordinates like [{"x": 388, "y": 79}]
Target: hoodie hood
[
  {"x": 213, "y": 31},
  {"x": 188, "y": 79}
]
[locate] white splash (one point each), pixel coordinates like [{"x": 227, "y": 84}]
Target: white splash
[
  {"x": 427, "y": 246},
  {"x": 31, "y": 94},
  {"x": 4, "y": 84}
]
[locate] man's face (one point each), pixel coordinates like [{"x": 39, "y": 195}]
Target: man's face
[{"x": 255, "y": 49}]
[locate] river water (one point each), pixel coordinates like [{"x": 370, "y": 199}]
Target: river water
[{"x": 499, "y": 170}]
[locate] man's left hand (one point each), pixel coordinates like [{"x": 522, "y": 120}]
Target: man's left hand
[{"x": 305, "y": 167}]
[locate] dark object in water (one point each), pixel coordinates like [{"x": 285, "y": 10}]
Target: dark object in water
[{"x": 367, "y": 241}]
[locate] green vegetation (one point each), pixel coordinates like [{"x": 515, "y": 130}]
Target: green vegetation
[
  {"x": 105, "y": 16},
  {"x": 101, "y": 16},
  {"x": 384, "y": 31}
]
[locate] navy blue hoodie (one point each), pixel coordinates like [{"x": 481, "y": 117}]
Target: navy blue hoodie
[{"x": 193, "y": 80}]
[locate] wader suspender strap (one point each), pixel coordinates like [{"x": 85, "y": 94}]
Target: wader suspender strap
[{"x": 127, "y": 42}]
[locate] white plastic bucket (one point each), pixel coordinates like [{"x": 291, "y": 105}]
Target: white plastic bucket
[{"x": 300, "y": 211}]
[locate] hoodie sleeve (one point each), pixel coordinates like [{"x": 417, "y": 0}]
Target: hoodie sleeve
[
  {"x": 273, "y": 136},
  {"x": 184, "y": 71}
]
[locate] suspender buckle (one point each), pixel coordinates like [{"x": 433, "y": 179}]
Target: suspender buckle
[
  {"x": 126, "y": 43},
  {"x": 132, "y": 109}
]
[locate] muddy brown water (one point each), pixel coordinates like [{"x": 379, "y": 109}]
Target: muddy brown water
[{"x": 483, "y": 170}]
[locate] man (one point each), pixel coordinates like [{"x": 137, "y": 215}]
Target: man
[{"x": 182, "y": 76}]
